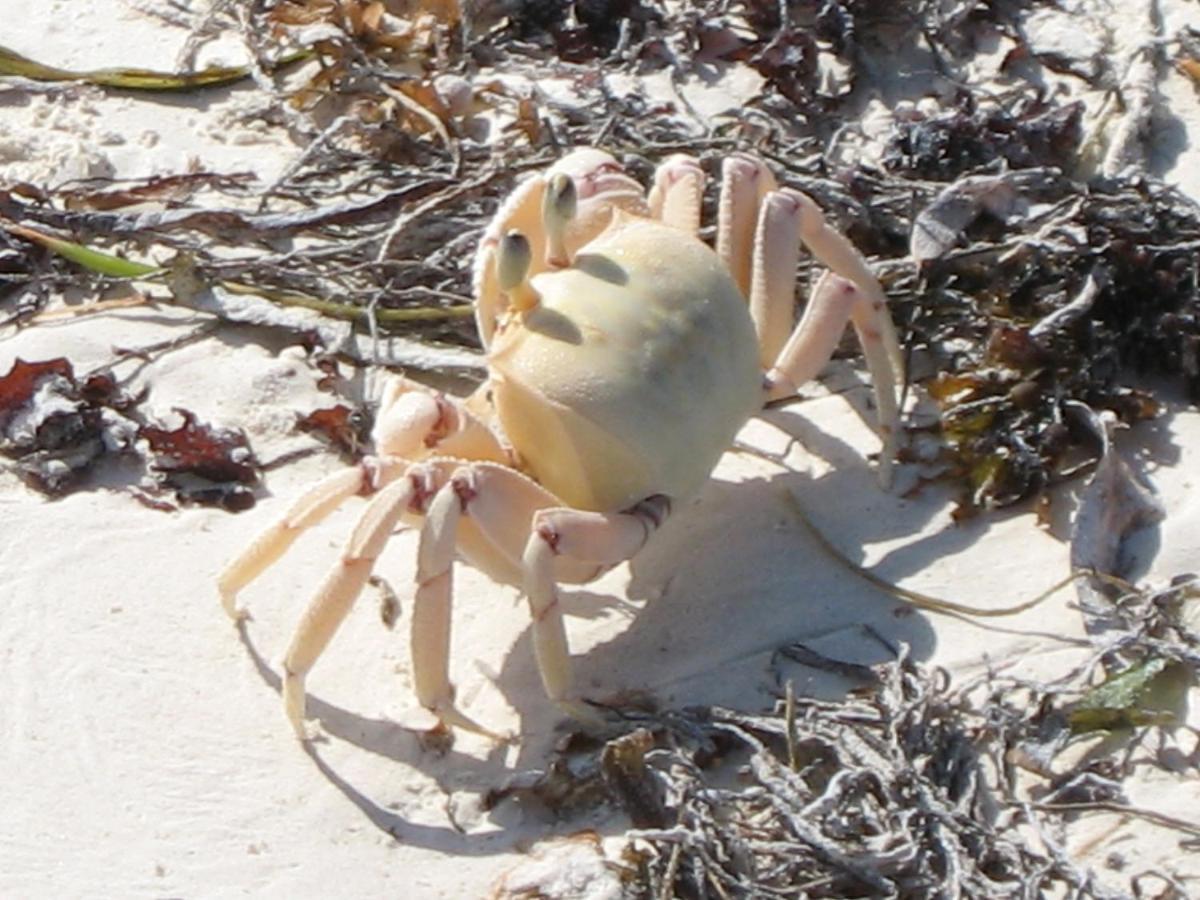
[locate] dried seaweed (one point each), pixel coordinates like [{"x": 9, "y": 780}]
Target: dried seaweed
[
  {"x": 57, "y": 427},
  {"x": 972, "y": 136},
  {"x": 203, "y": 464},
  {"x": 12, "y": 63},
  {"x": 908, "y": 789}
]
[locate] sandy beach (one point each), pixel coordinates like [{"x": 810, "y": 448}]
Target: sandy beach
[{"x": 146, "y": 750}]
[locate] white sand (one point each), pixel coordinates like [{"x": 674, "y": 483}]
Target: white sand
[{"x": 144, "y": 748}]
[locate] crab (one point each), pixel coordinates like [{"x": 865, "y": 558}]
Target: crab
[{"x": 623, "y": 355}]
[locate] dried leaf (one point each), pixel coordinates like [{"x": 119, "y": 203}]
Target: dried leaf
[
  {"x": 1190, "y": 68},
  {"x": 941, "y": 226},
  {"x": 345, "y": 428},
  {"x": 203, "y": 464},
  {"x": 1113, "y": 505},
  {"x": 18, "y": 386},
  {"x": 1120, "y": 701}
]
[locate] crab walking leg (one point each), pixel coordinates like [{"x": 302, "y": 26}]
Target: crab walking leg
[
  {"x": 677, "y": 193},
  {"x": 341, "y": 587},
  {"x": 603, "y": 539},
  {"x": 773, "y": 280},
  {"x": 309, "y": 509},
  {"x": 834, "y": 302},
  {"x": 745, "y": 180},
  {"x": 411, "y": 419},
  {"x": 835, "y": 252},
  {"x": 430, "y": 637}
]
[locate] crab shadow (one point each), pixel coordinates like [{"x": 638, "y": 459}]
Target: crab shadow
[
  {"x": 400, "y": 745},
  {"x": 699, "y": 618},
  {"x": 737, "y": 574}
]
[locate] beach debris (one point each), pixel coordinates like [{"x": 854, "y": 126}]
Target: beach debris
[
  {"x": 567, "y": 868},
  {"x": 129, "y": 79},
  {"x": 1149, "y": 654},
  {"x": 56, "y": 427},
  {"x": 943, "y": 224},
  {"x": 344, "y": 428},
  {"x": 1080, "y": 295},
  {"x": 974, "y": 135},
  {"x": 202, "y": 463},
  {"x": 906, "y": 788},
  {"x": 1115, "y": 503},
  {"x": 94, "y": 261},
  {"x": 1071, "y": 44},
  {"x": 1120, "y": 702},
  {"x": 1143, "y": 642}
]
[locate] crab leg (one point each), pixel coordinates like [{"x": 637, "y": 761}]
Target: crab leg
[
  {"x": 412, "y": 419},
  {"x": 835, "y": 301},
  {"x": 430, "y": 636},
  {"x": 834, "y": 251},
  {"x": 745, "y": 181},
  {"x": 341, "y": 587},
  {"x": 788, "y": 218},
  {"x": 500, "y": 504},
  {"x": 415, "y": 421},
  {"x": 773, "y": 282},
  {"x": 677, "y": 193},
  {"x": 309, "y": 509},
  {"x": 602, "y": 539}
]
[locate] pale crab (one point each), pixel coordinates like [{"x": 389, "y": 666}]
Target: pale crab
[{"x": 624, "y": 355}]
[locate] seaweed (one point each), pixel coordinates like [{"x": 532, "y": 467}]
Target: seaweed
[
  {"x": 57, "y": 427},
  {"x": 914, "y": 786}
]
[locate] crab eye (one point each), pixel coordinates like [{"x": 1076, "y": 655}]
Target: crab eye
[
  {"x": 561, "y": 199},
  {"x": 513, "y": 257}
]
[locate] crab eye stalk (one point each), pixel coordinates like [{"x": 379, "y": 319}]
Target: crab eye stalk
[
  {"x": 513, "y": 258},
  {"x": 558, "y": 209}
]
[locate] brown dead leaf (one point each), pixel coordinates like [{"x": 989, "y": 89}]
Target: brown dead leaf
[
  {"x": 218, "y": 454},
  {"x": 340, "y": 425},
  {"x": 309, "y": 12},
  {"x": 1190, "y": 68},
  {"x": 527, "y": 122},
  {"x": 371, "y": 17},
  {"x": 421, "y": 107},
  {"x": 203, "y": 464},
  {"x": 18, "y": 386}
]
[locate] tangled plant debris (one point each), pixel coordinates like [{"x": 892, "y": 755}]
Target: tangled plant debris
[{"x": 913, "y": 787}]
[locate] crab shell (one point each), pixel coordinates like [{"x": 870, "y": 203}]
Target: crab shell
[{"x": 633, "y": 375}]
